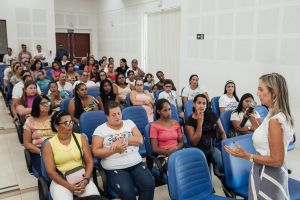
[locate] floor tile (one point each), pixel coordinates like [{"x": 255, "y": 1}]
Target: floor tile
[
  {"x": 8, "y": 181},
  {"x": 33, "y": 195},
  {"x": 17, "y": 197},
  {"x": 7, "y": 169},
  {"x": 294, "y": 154},
  {"x": 25, "y": 179}
]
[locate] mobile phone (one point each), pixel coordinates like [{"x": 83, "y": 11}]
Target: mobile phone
[{"x": 125, "y": 138}]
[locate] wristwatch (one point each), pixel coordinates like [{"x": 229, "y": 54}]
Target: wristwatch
[
  {"x": 88, "y": 180},
  {"x": 251, "y": 158},
  {"x": 249, "y": 128}
]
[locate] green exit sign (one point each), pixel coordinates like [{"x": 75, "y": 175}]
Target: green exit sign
[
  {"x": 70, "y": 30},
  {"x": 200, "y": 36}
]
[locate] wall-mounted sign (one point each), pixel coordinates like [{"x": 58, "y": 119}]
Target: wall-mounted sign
[{"x": 200, "y": 36}]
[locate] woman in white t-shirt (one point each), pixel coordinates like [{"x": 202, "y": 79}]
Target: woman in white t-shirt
[
  {"x": 238, "y": 114},
  {"x": 229, "y": 101},
  {"x": 117, "y": 143},
  {"x": 193, "y": 90}
]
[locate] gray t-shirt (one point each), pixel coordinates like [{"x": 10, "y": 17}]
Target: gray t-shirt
[{"x": 16, "y": 79}]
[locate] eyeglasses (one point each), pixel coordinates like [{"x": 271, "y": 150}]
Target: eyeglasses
[
  {"x": 139, "y": 85},
  {"x": 67, "y": 123},
  {"x": 85, "y": 75},
  {"x": 102, "y": 75},
  {"x": 168, "y": 86},
  {"x": 48, "y": 103}
]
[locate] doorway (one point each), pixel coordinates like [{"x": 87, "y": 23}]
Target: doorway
[{"x": 77, "y": 44}]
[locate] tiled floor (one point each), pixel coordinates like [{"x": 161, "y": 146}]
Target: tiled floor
[{"x": 14, "y": 174}]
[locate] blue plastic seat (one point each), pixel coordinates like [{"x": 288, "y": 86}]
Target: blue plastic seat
[
  {"x": 64, "y": 104},
  {"x": 80, "y": 71},
  {"x": 138, "y": 115},
  {"x": 9, "y": 87},
  {"x": 225, "y": 120},
  {"x": 262, "y": 111},
  {"x": 93, "y": 92},
  {"x": 147, "y": 88},
  {"x": 31, "y": 169},
  {"x": 46, "y": 90},
  {"x": 77, "y": 64},
  {"x": 48, "y": 72},
  {"x": 182, "y": 99},
  {"x": 188, "y": 108},
  {"x": 157, "y": 94},
  {"x": 128, "y": 102},
  {"x": 70, "y": 94},
  {"x": 215, "y": 105},
  {"x": 189, "y": 176},
  {"x": 46, "y": 77}
]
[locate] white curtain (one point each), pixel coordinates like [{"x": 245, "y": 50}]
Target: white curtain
[{"x": 163, "y": 44}]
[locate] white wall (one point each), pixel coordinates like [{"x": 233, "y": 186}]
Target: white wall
[
  {"x": 29, "y": 22},
  {"x": 84, "y": 19},
  {"x": 244, "y": 39}
]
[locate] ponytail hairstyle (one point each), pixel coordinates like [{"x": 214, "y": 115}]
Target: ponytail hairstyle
[
  {"x": 124, "y": 60},
  {"x": 23, "y": 99},
  {"x": 234, "y": 92},
  {"x": 78, "y": 104},
  {"x": 159, "y": 106}
]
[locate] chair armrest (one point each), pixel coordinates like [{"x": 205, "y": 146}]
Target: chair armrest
[
  {"x": 28, "y": 160},
  {"x": 294, "y": 138},
  {"x": 43, "y": 188},
  {"x": 149, "y": 160},
  {"x": 101, "y": 171},
  {"x": 19, "y": 128}
]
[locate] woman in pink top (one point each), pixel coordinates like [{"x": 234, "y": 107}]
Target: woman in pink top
[
  {"x": 25, "y": 104},
  {"x": 141, "y": 97},
  {"x": 165, "y": 133},
  {"x": 56, "y": 71},
  {"x": 24, "y": 55}
]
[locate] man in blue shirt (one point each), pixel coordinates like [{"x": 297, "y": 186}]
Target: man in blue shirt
[{"x": 60, "y": 52}]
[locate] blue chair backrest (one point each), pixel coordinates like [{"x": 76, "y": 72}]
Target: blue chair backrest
[
  {"x": 44, "y": 172},
  {"x": 93, "y": 92},
  {"x": 48, "y": 72},
  {"x": 46, "y": 77},
  {"x": 45, "y": 90},
  {"x": 9, "y": 87},
  {"x": 48, "y": 68},
  {"x": 128, "y": 102},
  {"x": 262, "y": 111},
  {"x": 3, "y": 66},
  {"x": 215, "y": 105},
  {"x": 77, "y": 64},
  {"x": 181, "y": 97},
  {"x": 76, "y": 69},
  {"x": 189, "y": 176},
  {"x": 138, "y": 115},
  {"x": 63, "y": 68},
  {"x": 89, "y": 121},
  {"x": 64, "y": 104},
  {"x": 225, "y": 120},
  {"x": 1, "y": 76},
  {"x": 80, "y": 71},
  {"x": 237, "y": 169},
  {"x": 70, "y": 94},
  {"x": 174, "y": 114},
  {"x": 147, "y": 88},
  {"x": 157, "y": 94},
  {"x": 188, "y": 108},
  {"x": 147, "y": 140}
]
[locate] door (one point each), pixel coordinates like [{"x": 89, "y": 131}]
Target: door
[{"x": 77, "y": 44}]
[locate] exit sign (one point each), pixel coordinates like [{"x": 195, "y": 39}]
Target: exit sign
[
  {"x": 200, "y": 36},
  {"x": 70, "y": 30}
]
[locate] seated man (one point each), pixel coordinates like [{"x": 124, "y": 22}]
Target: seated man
[
  {"x": 62, "y": 83},
  {"x": 84, "y": 79},
  {"x": 171, "y": 96},
  {"x": 161, "y": 77},
  {"x": 18, "y": 91},
  {"x": 138, "y": 73},
  {"x": 83, "y": 63},
  {"x": 74, "y": 61}
]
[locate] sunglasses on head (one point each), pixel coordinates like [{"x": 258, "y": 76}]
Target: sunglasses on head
[{"x": 48, "y": 103}]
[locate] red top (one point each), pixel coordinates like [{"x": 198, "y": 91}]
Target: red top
[
  {"x": 89, "y": 69},
  {"x": 166, "y": 137},
  {"x": 113, "y": 76}
]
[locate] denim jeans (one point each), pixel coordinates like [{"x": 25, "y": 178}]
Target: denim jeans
[
  {"x": 36, "y": 162},
  {"x": 122, "y": 181},
  {"x": 122, "y": 106},
  {"x": 216, "y": 158}
]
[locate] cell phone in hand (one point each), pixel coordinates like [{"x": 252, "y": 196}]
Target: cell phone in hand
[{"x": 125, "y": 138}]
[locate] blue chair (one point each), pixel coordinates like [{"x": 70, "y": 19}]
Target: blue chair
[
  {"x": 158, "y": 174},
  {"x": 147, "y": 88},
  {"x": 76, "y": 70},
  {"x": 157, "y": 94},
  {"x": 77, "y": 64},
  {"x": 93, "y": 92},
  {"x": 237, "y": 170},
  {"x": 31, "y": 169},
  {"x": 188, "y": 108},
  {"x": 46, "y": 90},
  {"x": 70, "y": 94},
  {"x": 9, "y": 92},
  {"x": 138, "y": 115},
  {"x": 174, "y": 114},
  {"x": 46, "y": 77},
  {"x": 225, "y": 120},
  {"x": 64, "y": 104},
  {"x": 80, "y": 71},
  {"x": 189, "y": 176},
  {"x": 215, "y": 105},
  {"x": 3, "y": 66},
  {"x": 48, "y": 68},
  {"x": 48, "y": 72},
  {"x": 128, "y": 102},
  {"x": 182, "y": 99}
]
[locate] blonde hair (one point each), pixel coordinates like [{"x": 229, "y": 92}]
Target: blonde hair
[{"x": 276, "y": 83}]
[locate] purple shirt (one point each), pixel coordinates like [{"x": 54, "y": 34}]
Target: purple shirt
[{"x": 29, "y": 102}]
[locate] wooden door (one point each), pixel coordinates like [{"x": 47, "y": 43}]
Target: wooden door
[{"x": 77, "y": 44}]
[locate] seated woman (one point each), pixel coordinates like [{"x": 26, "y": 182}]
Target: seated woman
[
  {"x": 130, "y": 77},
  {"x": 35, "y": 68},
  {"x": 141, "y": 97},
  {"x": 94, "y": 75},
  {"x": 72, "y": 76},
  {"x": 117, "y": 143},
  {"x": 90, "y": 65},
  {"x": 37, "y": 128},
  {"x": 9, "y": 72},
  {"x": 106, "y": 94},
  {"x": 165, "y": 133},
  {"x": 238, "y": 114},
  {"x": 56, "y": 96},
  {"x": 149, "y": 80},
  {"x": 56, "y": 71},
  {"x": 122, "y": 88},
  {"x": 103, "y": 66},
  {"x": 202, "y": 126},
  {"x": 64, "y": 152},
  {"x": 111, "y": 72},
  {"x": 193, "y": 89},
  {"x": 64, "y": 60},
  {"x": 81, "y": 103},
  {"x": 229, "y": 101},
  {"x": 17, "y": 71},
  {"x": 102, "y": 76},
  {"x": 24, "y": 106}
]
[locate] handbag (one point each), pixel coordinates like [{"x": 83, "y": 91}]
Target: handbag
[
  {"x": 233, "y": 133},
  {"x": 77, "y": 174}
]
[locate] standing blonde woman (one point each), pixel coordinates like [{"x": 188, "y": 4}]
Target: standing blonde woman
[{"x": 269, "y": 176}]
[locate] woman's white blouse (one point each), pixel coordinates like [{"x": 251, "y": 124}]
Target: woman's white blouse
[{"x": 260, "y": 136}]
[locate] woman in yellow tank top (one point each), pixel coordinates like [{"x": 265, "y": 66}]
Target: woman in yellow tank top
[{"x": 62, "y": 153}]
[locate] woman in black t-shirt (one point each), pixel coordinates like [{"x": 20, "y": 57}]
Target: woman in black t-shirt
[
  {"x": 203, "y": 125},
  {"x": 106, "y": 94}
]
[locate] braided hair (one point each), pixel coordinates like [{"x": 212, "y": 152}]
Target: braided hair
[{"x": 78, "y": 104}]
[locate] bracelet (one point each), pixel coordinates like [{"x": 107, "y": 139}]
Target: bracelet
[{"x": 88, "y": 180}]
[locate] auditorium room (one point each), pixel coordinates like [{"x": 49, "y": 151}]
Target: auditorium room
[{"x": 149, "y": 99}]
